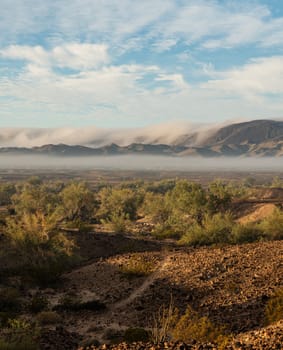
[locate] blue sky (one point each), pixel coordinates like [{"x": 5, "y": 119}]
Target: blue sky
[{"x": 132, "y": 63}]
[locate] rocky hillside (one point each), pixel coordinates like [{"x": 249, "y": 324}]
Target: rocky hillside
[
  {"x": 254, "y": 132},
  {"x": 230, "y": 285}
]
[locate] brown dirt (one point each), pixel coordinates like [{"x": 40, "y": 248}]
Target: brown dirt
[
  {"x": 257, "y": 213},
  {"x": 230, "y": 284}
]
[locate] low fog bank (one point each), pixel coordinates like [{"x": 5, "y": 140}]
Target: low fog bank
[
  {"x": 91, "y": 136},
  {"x": 146, "y": 163}
]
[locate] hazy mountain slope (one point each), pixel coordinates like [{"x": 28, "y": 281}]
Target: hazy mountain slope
[{"x": 253, "y": 132}]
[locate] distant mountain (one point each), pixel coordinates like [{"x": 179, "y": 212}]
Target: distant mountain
[
  {"x": 254, "y": 138},
  {"x": 254, "y": 132}
]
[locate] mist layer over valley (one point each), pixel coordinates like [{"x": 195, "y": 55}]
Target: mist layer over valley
[{"x": 140, "y": 162}]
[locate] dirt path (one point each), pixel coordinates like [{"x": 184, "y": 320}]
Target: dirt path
[
  {"x": 143, "y": 287},
  {"x": 109, "y": 320}
]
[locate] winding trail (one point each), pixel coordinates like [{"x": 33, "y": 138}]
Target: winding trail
[
  {"x": 143, "y": 287},
  {"x": 110, "y": 318}
]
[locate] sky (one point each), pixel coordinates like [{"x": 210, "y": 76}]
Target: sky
[{"x": 132, "y": 63}]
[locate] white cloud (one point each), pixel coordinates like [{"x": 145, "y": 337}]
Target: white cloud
[
  {"x": 157, "y": 24},
  {"x": 138, "y": 93},
  {"x": 72, "y": 55},
  {"x": 256, "y": 78}
]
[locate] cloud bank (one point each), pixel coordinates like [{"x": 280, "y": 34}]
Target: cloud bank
[{"x": 168, "y": 133}]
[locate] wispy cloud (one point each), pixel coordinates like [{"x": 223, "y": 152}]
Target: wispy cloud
[
  {"x": 258, "y": 77},
  {"x": 140, "y": 92},
  {"x": 71, "y": 55},
  {"x": 125, "y": 61},
  {"x": 162, "y": 23}
]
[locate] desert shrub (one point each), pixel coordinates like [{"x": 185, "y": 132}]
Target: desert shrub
[
  {"x": 43, "y": 251},
  {"x": 187, "y": 199},
  {"x": 245, "y": 233},
  {"x": 10, "y": 300},
  {"x": 48, "y": 272},
  {"x": 48, "y": 318},
  {"x": 214, "y": 229},
  {"x": 274, "y": 307},
  {"x": 24, "y": 344},
  {"x": 117, "y": 222},
  {"x": 163, "y": 322},
  {"x": 167, "y": 230},
  {"x": 137, "y": 266},
  {"x": 78, "y": 225},
  {"x": 114, "y": 336},
  {"x": 276, "y": 182},
  {"x": 77, "y": 202},
  {"x": 34, "y": 196},
  {"x": 120, "y": 202},
  {"x": 272, "y": 226},
  {"x": 19, "y": 335},
  {"x": 136, "y": 334},
  {"x": 5, "y": 316},
  {"x": 38, "y": 303},
  {"x": 156, "y": 208},
  {"x": 191, "y": 326},
  {"x": 219, "y": 197},
  {"x": 6, "y": 193},
  {"x": 161, "y": 187}
]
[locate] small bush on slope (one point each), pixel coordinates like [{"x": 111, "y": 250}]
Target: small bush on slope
[
  {"x": 137, "y": 267},
  {"x": 191, "y": 326},
  {"x": 43, "y": 251},
  {"x": 19, "y": 335},
  {"x": 214, "y": 229},
  {"x": 272, "y": 226},
  {"x": 274, "y": 307}
]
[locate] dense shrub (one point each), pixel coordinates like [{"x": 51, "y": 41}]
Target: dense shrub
[
  {"x": 24, "y": 344},
  {"x": 272, "y": 226},
  {"x": 78, "y": 202},
  {"x": 274, "y": 307},
  {"x": 19, "y": 335},
  {"x": 191, "y": 327},
  {"x": 244, "y": 233},
  {"x": 214, "y": 229},
  {"x": 117, "y": 222},
  {"x": 137, "y": 266},
  {"x": 43, "y": 251},
  {"x": 119, "y": 202},
  {"x": 219, "y": 197}
]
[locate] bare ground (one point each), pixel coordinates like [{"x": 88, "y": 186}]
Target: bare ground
[{"x": 229, "y": 284}]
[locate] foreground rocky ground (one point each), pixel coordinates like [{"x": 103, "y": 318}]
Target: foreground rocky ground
[
  {"x": 229, "y": 284},
  {"x": 267, "y": 338}
]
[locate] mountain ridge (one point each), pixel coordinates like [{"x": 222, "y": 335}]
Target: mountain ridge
[{"x": 254, "y": 138}]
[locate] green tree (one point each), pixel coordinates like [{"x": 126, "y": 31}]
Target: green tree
[
  {"x": 77, "y": 202},
  {"x": 34, "y": 196},
  {"x": 219, "y": 197},
  {"x": 6, "y": 193},
  {"x": 121, "y": 202},
  {"x": 42, "y": 249}
]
